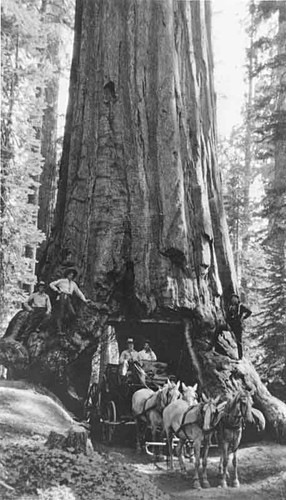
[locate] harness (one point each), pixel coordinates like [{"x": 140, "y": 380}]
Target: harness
[
  {"x": 234, "y": 422},
  {"x": 184, "y": 424},
  {"x": 151, "y": 407},
  {"x": 158, "y": 402}
]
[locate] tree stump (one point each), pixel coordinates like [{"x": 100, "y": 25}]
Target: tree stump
[
  {"x": 55, "y": 440},
  {"x": 77, "y": 441}
]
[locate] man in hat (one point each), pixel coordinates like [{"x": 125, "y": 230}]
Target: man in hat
[
  {"x": 146, "y": 354},
  {"x": 39, "y": 306},
  {"x": 65, "y": 288},
  {"x": 236, "y": 314},
  {"x": 127, "y": 357}
]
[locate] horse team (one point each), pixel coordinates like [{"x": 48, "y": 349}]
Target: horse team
[{"x": 179, "y": 413}]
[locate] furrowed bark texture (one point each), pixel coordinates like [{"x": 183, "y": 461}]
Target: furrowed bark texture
[
  {"x": 142, "y": 195},
  {"x": 139, "y": 203}
]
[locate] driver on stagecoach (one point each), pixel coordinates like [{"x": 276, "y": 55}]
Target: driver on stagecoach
[{"x": 127, "y": 356}]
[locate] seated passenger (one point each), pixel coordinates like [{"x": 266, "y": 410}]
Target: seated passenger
[
  {"x": 128, "y": 356},
  {"x": 146, "y": 354}
]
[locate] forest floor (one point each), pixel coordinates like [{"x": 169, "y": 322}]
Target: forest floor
[
  {"x": 261, "y": 469},
  {"x": 32, "y": 471}
]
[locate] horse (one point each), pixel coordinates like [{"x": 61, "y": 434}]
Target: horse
[
  {"x": 189, "y": 394},
  {"x": 192, "y": 423},
  {"x": 237, "y": 412},
  {"x": 147, "y": 408}
]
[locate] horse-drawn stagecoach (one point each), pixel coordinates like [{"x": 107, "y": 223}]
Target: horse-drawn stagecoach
[
  {"x": 114, "y": 404},
  {"x": 109, "y": 404}
]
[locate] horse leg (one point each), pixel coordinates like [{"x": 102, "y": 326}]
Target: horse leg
[
  {"x": 206, "y": 484},
  {"x": 197, "y": 448},
  {"x": 180, "y": 455},
  {"x": 138, "y": 430},
  {"x": 225, "y": 457},
  {"x": 170, "y": 448},
  {"x": 140, "y": 434},
  {"x": 236, "y": 483},
  {"x": 220, "y": 467},
  {"x": 157, "y": 448},
  {"x": 191, "y": 451}
]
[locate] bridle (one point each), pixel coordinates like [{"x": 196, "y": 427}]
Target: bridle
[
  {"x": 167, "y": 396},
  {"x": 238, "y": 419},
  {"x": 212, "y": 409}
]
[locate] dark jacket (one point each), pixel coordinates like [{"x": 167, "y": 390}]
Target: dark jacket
[{"x": 235, "y": 314}]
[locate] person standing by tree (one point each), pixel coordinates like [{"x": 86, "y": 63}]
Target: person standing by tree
[
  {"x": 65, "y": 288},
  {"x": 39, "y": 306},
  {"x": 236, "y": 313}
]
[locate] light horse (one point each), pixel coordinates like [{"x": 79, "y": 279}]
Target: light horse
[
  {"x": 237, "y": 412},
  {"x": 189, "y": 394},
  {"x": 147, "y": 408},
  {"x": 192, "y": 423}
]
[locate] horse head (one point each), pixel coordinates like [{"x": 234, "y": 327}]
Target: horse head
[
  {"x": 170, "y": 393},
  {"x": 245, "y": 402},
  {"x": 210, "y": 412},
  {"x": 190, "y": 394}
]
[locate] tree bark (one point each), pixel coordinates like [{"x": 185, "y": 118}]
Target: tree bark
[
  {"x": 139, "y": 201},
  {"x": 48, "y": 179}
]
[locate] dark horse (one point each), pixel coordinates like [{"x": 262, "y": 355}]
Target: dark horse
[{"x": 237, "y": 412}]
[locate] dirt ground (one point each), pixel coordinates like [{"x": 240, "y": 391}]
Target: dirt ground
[
  {"x": 261, "y": 465},
  {"x": 261, "y": 468}
]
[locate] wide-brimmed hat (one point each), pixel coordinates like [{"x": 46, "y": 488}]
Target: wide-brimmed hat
[
  {"x": 130, "y": 340},
  {"x": 41, "y": 283},
  {"x": 234, "y": 295},
  {"x": 147, "y": 341},
  {"x": 71, "y": 270}
]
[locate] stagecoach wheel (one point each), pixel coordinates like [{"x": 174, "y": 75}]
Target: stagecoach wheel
[
  {"x": 91, "y": 402},
  {"x": 108, "y": 416},
  {"x": 95, "y": 419}
]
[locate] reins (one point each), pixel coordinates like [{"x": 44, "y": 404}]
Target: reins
[
  {"x": 158, "y": 402},
  {"x": 151, "y": 407}
]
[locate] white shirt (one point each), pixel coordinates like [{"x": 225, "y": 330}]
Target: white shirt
[
  {"x": 38, "y": 299},
  {"x": 147, "y": 355},
  {"x": 128, "y": 356},
  {"x": 64, "y": 285}
]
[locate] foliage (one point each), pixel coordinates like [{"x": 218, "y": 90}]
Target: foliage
[
  {"x": 33, "y": 470},
  {"x": 263, "y": 265},
  {"x": 29, "y": 34},
  {"x": 21, "y": 161},
  {"x": 271, "y": 140}
]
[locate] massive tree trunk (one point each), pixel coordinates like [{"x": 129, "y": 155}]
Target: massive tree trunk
[{"x": 139, "y": 202}]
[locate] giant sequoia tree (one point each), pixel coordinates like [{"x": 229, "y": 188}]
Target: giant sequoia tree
[{"x": 139, "y": 202}]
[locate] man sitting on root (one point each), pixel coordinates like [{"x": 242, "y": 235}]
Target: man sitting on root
[{"x": 39, "y": 307}]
